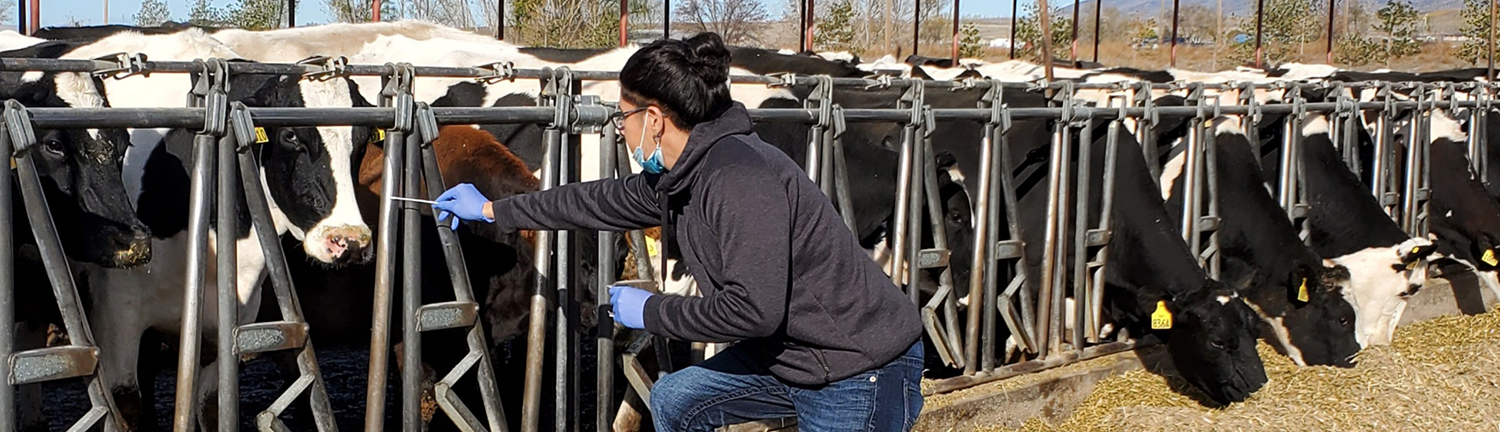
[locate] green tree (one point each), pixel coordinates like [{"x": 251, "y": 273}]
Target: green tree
[
  {"x": 970, "y": 45},
  {"x": 1029, "y": 33},
  {"x": 1288, "y": 24},
  {"x": 1476, "y": 30},
  {"x": 836, "y": 32},
  {"x": 257, "y": 14},
  {"x": 153, "y": 13},
  {"x": 206, "y": 14},
  {"x": 1399, "y": 21}
]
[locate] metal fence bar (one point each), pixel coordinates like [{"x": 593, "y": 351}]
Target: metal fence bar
[
  {"x": 396, "y": 95},
  {"x": 7, "y": 286},
  {"x": 604, "y": 391},
  {"x": 410, "y": 216},
  {"x": 226, "y": 227}
]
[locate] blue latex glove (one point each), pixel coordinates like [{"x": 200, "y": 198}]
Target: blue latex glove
[
  {"x": 629, "y": 305},
  {"x": 462, "y": 202}
]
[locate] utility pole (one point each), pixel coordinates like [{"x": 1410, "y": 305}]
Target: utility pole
[
  {"x": 1175, "y": 6},
  {"x": 888, "y": 7},
  {"x": 955, "y": 33},
  {"x": 1328, "y": 54},
  {"x": 1046, "y": 39},
  {"x": 1073, "y": 48},
  {"x": 1260, "y": 15},
  {"x": 1098, "y": 11},
  {"x": 1014, "y": 16}
]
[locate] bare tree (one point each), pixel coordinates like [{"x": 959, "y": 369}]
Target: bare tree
[
  {"x": 358, "y": 11},
  {"x": 734, "y": 20}
]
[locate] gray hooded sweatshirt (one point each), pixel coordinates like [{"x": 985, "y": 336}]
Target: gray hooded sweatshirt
[{"x": 780, "y": 271}]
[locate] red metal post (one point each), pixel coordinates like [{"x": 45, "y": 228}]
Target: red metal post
[
  {"x": 812, "y": 25},
  {"x": 1098, "y": 8},
  {"x": 624, "y": 22},
  {"x": 375, "y": 11},
  {"x": 1260, "y": 15},
  {"x": 1175, "y": 4},
  {"x": 1046, "y": 21},
  {"x": 36, "y": 17},
  {"x": 955, "y": 33},
  {"x": 1073, "y": 49}
]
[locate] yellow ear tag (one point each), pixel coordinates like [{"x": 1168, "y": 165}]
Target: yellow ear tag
[
  {"x": 1302, "y": 291},
  {"x": 1414, "y": 250},
  {"x": 1161, "y": 319},
  {"x": 1489, "y": 257},
  {"x": 12, "y": 163},
  {"x": 378, "y": 136},
  {"x": 651, "y": 248},
  {"x": 260, "y": 136}
]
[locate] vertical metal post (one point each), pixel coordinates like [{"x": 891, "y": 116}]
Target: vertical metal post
[
  {"x": 1046, "y": 21},
  {"x": 991, "y": 282},
  {"x": 226, "y": 226},
  {"x": 916, "y": 27},
  {"x": 35, "y": 23},
  {"x": 666, "y": 22},
  {"x": 981, "y": 264},
  {"x": 396, "y": 92},
  {"x": 1073, "y": 35},
  {"x": 1490, "y": 59},
  {"x": 1081, "y": 305},
  {"x": 605, "y": 390},
  {"x": 1014, "y": 16},
  {"x": 624, "y": 22},
  {"x": 1328, "y": 55},
  {"x": 500, "y": 20},
  {"x": 375, "y": 11},
  {"x": 812, "y": 24},
  {"x": 802, "y": 25},
  {"x": 7, "y": 286},
  {"x": 1056, "y": 182},
  {"x": 197, "y": 269},
  {"x": 411, "y": 284},
  {"x": 1175, "y": 9},
  {"x": 21, "y": 26},
  {"x": 956, "y": 38},
  {"x": 1098, "y": 11},
  {"x": 291, "y": 13},
  {"x": 1260, "y": 15}
]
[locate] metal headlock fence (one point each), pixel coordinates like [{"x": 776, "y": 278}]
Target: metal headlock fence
[{"x": 222, "y": 162}]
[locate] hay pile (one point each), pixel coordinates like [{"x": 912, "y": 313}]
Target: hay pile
[{"x": 1442, "y": 374}]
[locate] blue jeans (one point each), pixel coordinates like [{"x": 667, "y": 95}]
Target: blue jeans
[{"x": 730, "y": 389}]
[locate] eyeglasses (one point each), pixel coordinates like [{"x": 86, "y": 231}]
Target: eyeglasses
[{"x": 619, "y": 119}]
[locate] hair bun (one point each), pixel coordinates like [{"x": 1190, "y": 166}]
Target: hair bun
[{"x": 708, "y": 56}]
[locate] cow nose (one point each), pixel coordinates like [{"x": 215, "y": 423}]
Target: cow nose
[
  {"x": 136, "y": 252},
  {"x": 348, "y": 244}
]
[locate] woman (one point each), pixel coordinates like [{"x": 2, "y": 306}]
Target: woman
[{"x": 822, "y": 333}]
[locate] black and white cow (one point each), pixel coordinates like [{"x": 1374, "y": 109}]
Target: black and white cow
[
  {"x": 1212, "y": 339},
  {"x": 306, "y": 173},
  {"x": 1300, "y": 300}
]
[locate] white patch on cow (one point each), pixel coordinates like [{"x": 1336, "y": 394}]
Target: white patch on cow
[
  {"x": 1379, "y": 288},
  {"x": 10, "y": 40},
  {"x": 1444, "y": 126},
  {"x": 338, "y": 39},
  {"x": 339, "y": 143},
  {"x": 1223, "y": 300},
  {"x": 1170, "y": 173},
  {"x": 785, "y": 51},
  {"x": 1283, "y": 337},
  {"x": 1315, "y": 125},
  {"x": 837, "y": 56},
  {"x": 1302, "y": 71}
]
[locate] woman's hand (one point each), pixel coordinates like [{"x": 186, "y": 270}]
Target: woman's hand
[
  {"x": 629, "y": 305},
  {"x": 463, "y": 202}
]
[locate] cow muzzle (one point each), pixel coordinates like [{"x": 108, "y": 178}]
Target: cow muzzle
[
  {"x": 343, "y": 245},
  {"x": 137, "y": 252}
]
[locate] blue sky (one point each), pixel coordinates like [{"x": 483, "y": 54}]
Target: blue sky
[{"x": 91, "y": 12}]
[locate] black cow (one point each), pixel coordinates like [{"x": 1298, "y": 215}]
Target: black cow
[{"x": 1300, "y": 300}]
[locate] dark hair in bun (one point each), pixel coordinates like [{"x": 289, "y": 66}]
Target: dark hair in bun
[{"x": 688, "y": 78}]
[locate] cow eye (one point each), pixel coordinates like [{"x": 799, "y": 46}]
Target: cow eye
[
  {"x": 1344, "y": 321},
  {"x": 53, "y": 145},
  {"x": 1217, "y": 344},
  {"x": 290, "y": 141}
]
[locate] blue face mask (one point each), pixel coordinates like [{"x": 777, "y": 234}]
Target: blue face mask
[{"x": 652, "y": 164}]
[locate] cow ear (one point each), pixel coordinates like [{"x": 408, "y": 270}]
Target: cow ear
[
  {"x": 1299, "y": 285},
  {"x": 1488, "y": 257}
]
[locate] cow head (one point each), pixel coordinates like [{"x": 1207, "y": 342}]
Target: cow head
[
  {"x": 1319, "y": 326},
  {"x": 1383, "y": 279},
  {"x": 308, "y": 171},
  {"x": 1212, "y": 343},
  {"x": 80, "y": 171}
]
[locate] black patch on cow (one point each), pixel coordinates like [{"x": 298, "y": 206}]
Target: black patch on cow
[
  {"x": 563, "y": 55},
  {"x": 94, "y": 33},
  {"x": 1153, "y": 76}
]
